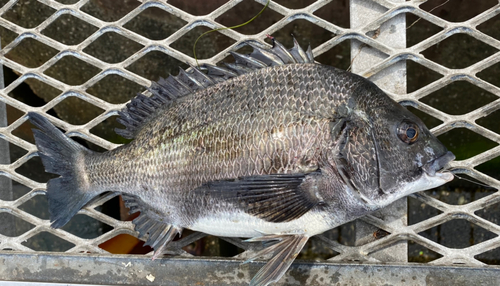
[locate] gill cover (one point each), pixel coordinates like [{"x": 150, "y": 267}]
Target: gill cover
[{"x": 356, "y": 157}]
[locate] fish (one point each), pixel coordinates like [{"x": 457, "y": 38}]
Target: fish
[{"x": 273, "y": 147}]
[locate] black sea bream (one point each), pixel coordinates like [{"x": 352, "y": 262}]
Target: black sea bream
[{"x": 273, "y": 147}]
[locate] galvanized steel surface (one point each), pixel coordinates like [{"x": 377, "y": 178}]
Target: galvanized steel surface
[
  {"x": 133, "y": 270},
  {"x": 369, "y": 34}
]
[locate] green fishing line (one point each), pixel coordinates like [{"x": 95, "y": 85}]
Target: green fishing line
[{"x": 233, "y": 27}]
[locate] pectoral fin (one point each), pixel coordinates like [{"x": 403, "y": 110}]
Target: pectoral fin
[
  {"x": 274, "y": 198},
  {"x": 285, "y": 250}
]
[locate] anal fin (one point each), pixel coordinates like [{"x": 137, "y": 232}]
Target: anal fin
[
  {"x": 284, "y": 251},
  {"x": 156, "y": 233}
]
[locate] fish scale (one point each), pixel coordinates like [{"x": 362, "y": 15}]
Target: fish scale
[
  {"x": 176, "y": 176},
  {"x": 273, "y": 147}
]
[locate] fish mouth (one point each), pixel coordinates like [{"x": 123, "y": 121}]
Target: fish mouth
[{"x": 436, "y": 165}]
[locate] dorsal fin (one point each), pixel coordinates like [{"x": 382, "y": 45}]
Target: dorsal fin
[{"x": 165, "y": 91}]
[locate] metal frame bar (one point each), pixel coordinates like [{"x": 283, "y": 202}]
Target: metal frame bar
[
  {"x": 43, "y": 266},
  {"x": 140, "y": 270}
]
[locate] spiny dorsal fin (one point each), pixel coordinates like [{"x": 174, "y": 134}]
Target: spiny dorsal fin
[{"x": 165, "y": 91}]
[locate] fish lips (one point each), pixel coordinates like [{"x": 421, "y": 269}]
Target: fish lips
[{"x": 432, "y": 167}]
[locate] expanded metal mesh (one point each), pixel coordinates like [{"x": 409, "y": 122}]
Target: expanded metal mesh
[{"x": 367, "y": 34}]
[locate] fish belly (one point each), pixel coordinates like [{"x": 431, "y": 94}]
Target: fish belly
[{"x": 241, "y": 224}]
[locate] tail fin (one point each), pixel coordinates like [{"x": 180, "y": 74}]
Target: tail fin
[{"x": 62, "y": 156}]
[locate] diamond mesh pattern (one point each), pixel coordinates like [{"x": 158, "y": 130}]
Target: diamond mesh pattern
[{"x": 80, "y": 49}]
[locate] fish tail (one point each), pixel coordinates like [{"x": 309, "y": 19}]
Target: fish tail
[{"x": 63, "y": 156}]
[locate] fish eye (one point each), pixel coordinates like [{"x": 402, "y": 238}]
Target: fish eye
[{"x": 408, "y": 132}]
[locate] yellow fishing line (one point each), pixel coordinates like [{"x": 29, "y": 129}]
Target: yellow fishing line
[{"x": 233, "y": 27}]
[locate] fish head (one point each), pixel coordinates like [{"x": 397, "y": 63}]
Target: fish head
[
  {"x": 410, "y": 158},
  {"x": 404, "y": 156}
]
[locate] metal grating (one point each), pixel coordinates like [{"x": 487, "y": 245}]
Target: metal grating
[{"x": 368, "y": 36}]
